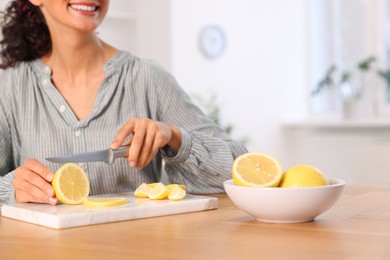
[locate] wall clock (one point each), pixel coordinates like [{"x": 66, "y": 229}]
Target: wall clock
[{"x": 212, "y": 41}]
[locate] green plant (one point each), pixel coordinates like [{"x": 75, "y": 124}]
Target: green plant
[
  {"x": 364, "y": 67},
  {"x": 385, "y": 75},
  {"x": 211, "y": 108},
  {"x": 327, "y": 81}
]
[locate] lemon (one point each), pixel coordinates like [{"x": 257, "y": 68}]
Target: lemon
[
  {"x": 303, "y": 175},
  {"x": 159, "y": 192},
  {"x": 151, "y": 185},
  {"x": 171, "y": 186},
  {"x": 257, "y": 170},
  {"x": 103, "y": 202},
  {"x": 71, "y": 184},
  {"x": 143, "y": 190},
  {"x": 177, "y": 192}
]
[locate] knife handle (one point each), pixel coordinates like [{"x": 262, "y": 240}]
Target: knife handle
[{"x": 121, "y": 152}]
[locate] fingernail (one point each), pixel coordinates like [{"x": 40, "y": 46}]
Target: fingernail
[
  {"x": 114, "y": 145},
  {"x": 132, "y": 164},
  {"x": 49, "y": 177},
  {"x": 53, "y": 201}
]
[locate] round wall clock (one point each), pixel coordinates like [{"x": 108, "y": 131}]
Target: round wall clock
[{"x": 212, "y": 41}]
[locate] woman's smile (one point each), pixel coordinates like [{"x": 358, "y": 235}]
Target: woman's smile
[{"x": 88, "y": 8}]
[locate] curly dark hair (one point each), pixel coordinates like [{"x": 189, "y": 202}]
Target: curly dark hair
[{"x": 25, "y": 34}]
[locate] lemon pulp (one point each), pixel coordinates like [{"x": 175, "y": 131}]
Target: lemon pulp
[
  {"x": 256, "y": 169},
  {"x": 177, "y": 192},
  {"x": 71, "y": 184},
  {"x": 143, "y": 190},
  {"x": 159, "y": 192}
]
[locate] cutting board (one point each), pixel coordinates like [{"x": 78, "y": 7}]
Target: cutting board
[{"x": 65, "y": 216}]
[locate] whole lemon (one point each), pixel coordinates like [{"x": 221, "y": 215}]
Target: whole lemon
[{"x": 302, "y": 175}]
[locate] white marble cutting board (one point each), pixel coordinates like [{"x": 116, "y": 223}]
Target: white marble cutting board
[{"x": 65, "y": 216}]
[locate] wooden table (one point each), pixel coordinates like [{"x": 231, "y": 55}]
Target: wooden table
[{"x": 357, "y": 227}]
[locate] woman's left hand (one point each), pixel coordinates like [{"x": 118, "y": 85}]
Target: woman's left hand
[{"x": 146, "y": 136}]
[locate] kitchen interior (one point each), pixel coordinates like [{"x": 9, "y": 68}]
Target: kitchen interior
[
  {"x": 304, "y": 81},
  {"x": 258, "y": 66},
  {"x": 261, "y": 64}
]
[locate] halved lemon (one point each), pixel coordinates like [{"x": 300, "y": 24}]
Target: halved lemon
[
  {"x": 104, "y": 202},
  {"x": 177, "y": 192},
  {"x": 159, "y": 192},
  {"x": 257, "y": 170},
  {"x": 71, "y": 184},
  {"x": 143, "y": 190}
]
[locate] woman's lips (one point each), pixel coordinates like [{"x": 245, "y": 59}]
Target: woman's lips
[{"x": 84, "y": 7}]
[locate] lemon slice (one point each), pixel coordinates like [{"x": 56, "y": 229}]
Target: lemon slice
[
  {"x": 71, "y": 184},
  {"x": 257, "y": 170},
  {"x": 143, "y": 190},
  {"x": 177, "y": 192},
  {"x": 303, "y": 175},
  {"x": 151, "y": 185},
  {"x": 171, "y": 186},
  {"x": 103, "y": 202},
  {"x": 159, "y": 192}
]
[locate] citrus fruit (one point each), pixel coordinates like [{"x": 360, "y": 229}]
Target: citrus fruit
[
  {"x": 151, "y": 185},
  {"x": 143, "y": 190},
  {"x": 171, "y": 186},
  {"x": 257, "y": 170},
  {"x": 303, "y": 175},
  {"x": 159, "y": 192},
  {"x": 177, "y": 192},
  {"x": 103, "y": 202},
  {"x": 71, "y": 184}
]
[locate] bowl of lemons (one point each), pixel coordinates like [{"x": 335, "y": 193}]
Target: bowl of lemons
[{"x": 263, "y": 190}]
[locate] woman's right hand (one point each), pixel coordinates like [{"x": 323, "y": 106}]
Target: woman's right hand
[{"x": 32, "y": 183}]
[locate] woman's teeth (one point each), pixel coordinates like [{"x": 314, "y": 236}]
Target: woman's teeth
[{"x": 87, "y": 8}]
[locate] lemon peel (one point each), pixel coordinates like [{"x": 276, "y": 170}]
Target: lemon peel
[
  {"x": 104, "y": 202},
  {"x": 303, "y": 175}
]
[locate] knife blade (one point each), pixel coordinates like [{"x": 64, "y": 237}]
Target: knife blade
[{"x": 107, "y": 156}]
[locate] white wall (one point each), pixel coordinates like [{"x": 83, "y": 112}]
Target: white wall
[
  {"x": 357, "y": 154},
  {"x": 261, "y": 80}
]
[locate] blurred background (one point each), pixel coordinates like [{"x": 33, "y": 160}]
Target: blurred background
[{"x": 306, "y": 81}]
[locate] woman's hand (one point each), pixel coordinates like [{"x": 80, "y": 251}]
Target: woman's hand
[
  {"x": 32, "y": 183},
  {"x": 146, "y": 137}
]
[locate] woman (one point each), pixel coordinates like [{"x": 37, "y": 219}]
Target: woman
[{"x": 66, "y": 91}]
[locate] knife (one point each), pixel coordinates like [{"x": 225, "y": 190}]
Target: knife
[{"x": 107, "y": 156}]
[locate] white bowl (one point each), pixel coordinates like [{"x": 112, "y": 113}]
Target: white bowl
[{"x": 285, "y": 205}]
